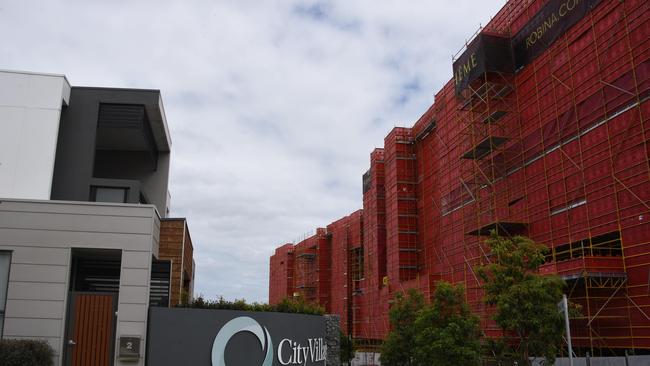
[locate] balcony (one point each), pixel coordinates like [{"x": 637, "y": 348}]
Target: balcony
[{"x": 590, "y": 266}]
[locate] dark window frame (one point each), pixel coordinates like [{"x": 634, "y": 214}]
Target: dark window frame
[{"x": 93, "y": 193}]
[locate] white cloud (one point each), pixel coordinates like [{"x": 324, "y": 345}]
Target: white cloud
[{"x": 274, "y": 106}]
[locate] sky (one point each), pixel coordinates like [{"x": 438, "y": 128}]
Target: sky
[{"x": 273, "y": 106}]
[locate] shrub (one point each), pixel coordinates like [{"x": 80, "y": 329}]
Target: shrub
[
  {"x": 14, "y": 352},
  {"x": 297, "y": 306}
]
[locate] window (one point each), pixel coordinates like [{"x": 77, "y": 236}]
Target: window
[
  {"x": 109, "y": 194},
  {"x": 5, "y": 260}
]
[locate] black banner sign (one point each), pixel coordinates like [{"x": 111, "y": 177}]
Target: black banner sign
[
  {"x": 486, "y": 53},
  {"x": 552, "y": 21}
]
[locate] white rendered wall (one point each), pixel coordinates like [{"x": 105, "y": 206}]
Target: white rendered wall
[{"x": 30, "y": 111}]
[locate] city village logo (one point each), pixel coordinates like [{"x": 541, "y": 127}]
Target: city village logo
[
  {"x": 290, "y": 352},
  {"x": 241, "y": 324}
]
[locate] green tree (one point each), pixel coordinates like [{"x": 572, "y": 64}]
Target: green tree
[
  {"x": 443, "y": 333},
  {"x": 525, "y": 302},
  {"x": 447, "y": 332},
  {"x": 398, "y": 348}
]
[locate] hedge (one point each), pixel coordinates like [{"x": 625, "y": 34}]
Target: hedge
[
  {"x": 15, "y": 352},
  {"x": 286, "y": 305}
]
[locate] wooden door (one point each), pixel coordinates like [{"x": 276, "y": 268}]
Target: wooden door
[{"x": 91, "y": 324}]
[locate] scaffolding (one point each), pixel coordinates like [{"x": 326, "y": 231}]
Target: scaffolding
[
  {"x": 306, "y": 275},
  {"x": 281, "y": 279},
  {"x": 558, "y": 150},
  {"x": 369, "y": 296},
  {"x": 403, "y": 248}
]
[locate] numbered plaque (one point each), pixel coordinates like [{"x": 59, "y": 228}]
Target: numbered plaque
[{"x": 129, "y": 348}]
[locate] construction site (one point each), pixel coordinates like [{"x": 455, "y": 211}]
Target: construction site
[{"x": 543, "y": 130}]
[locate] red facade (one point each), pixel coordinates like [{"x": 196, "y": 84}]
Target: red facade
[
  {"x": 281, "y": 274},
  {"x": 325, "y": 268},
  {"x": 558, "y": 150}
]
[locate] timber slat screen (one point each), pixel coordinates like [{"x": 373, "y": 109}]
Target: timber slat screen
[{"x": 93, "y": 329}]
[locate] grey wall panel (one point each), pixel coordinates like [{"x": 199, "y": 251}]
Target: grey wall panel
[
  {"x": 133, "y": 309},
  {"x": 127, "y": 328},
  {"x": 41, "y": 309},
  {"x": 155, "y": 246},
  {"x": 156, "y": 186},
  {"x": 132, "y": 312},
  {"x": 135, "y": 277},
  {"x": 38, "y": 273},
  {"x": 156, "y": 224},
  {"x": 36, "y": 291},
  {"x": 134, "y": 294},
  {"x": 156, "y": 237},
  {"x": 40, "y": 255},
  {"x": 133, "y": 259},
  {"x": 67, "y": 239},
  {"x": 32, "y": 327},
  {"x": 36, "y": 298},
  {"x": 61, "y": 207},
  {"x": 69, "y": 222}
]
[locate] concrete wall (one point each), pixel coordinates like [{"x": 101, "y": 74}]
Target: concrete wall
[
  {"x": 601, "y": 361},
  {"x": 41, "y": 234},
  {"x": 30, "y": 111}
]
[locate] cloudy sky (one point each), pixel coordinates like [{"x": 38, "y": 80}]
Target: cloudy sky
[{"x": 273, "y": 105}]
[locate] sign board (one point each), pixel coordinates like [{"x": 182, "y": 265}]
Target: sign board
[
  {"x": 129, "y": 348},
  {"x": 550, "y": 22},
  {"x": 201, "y": 337},
  {"x": 492, "y": 53},
  {"x": 486, "y": 53}
]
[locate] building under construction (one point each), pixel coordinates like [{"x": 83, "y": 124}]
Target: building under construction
[{"x": 543, "y": 131}]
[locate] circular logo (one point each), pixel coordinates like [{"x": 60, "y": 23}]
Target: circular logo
[{"x": 241, "y": 324}]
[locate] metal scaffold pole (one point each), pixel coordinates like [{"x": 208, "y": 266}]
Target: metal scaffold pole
[{"x": 565, "y": 309}]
